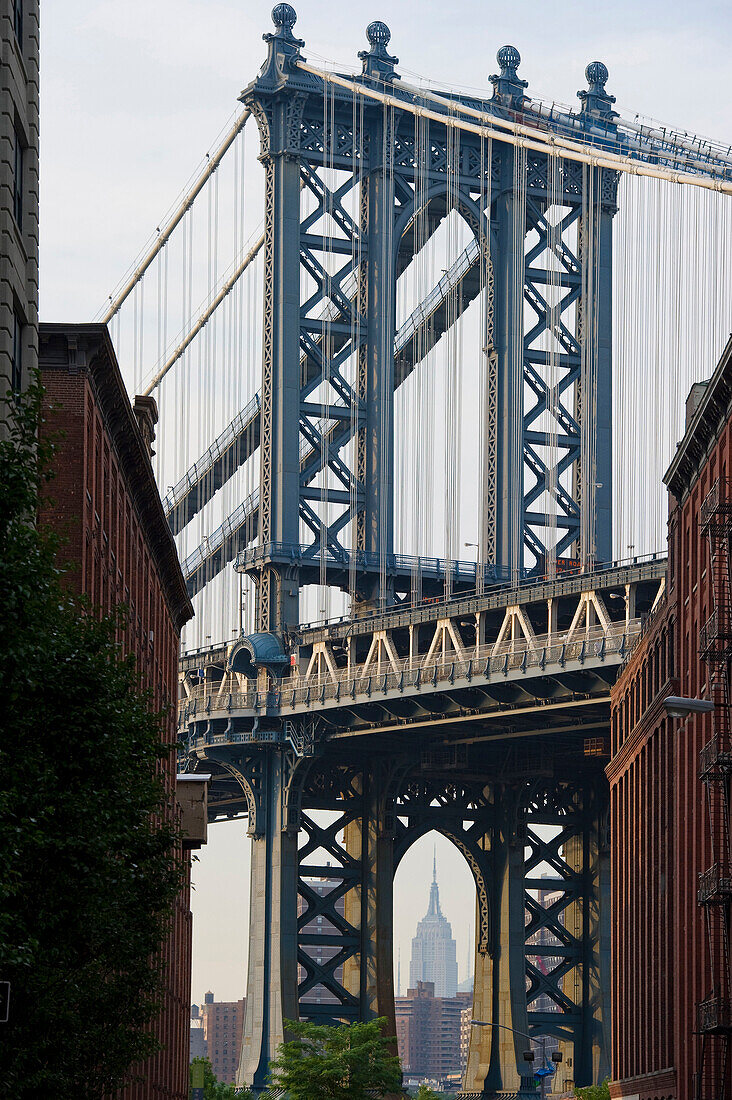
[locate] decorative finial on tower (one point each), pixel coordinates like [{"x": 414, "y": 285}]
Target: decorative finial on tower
[
  {"x": 507, "y": 86},
  {"x": 434, "y": 864},
  {"x": 284, "y": 18},
  {"x": 596, "y": 100},
  {"x": 377, "y": 63},
  {"x": 284, "y": 48}
]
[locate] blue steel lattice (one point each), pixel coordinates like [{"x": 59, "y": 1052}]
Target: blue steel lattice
[{"x": 337, "y": 322}]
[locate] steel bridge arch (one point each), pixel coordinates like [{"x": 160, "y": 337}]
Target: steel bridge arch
[
  {"x": 476, "y": 859},
  {"x": 468, "y": 209}
]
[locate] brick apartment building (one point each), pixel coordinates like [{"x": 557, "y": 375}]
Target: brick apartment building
[
  {"x": 18, "y": 192},
  {"x": 105, "y": 501},
  {"x": 670, "y": 787},
  {"x": 430, "y": 1033},
  {"x": 223, "y": 1028}
]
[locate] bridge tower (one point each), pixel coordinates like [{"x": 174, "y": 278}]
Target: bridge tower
[
  {"x": 331, "y": 363},
  {"x": 547, "y": 333}
]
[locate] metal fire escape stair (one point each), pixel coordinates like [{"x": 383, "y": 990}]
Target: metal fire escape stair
[{"x": 714, "y": 1014}]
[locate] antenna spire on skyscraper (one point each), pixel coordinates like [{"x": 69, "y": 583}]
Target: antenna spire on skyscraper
[{"x": 433, "y": 947}]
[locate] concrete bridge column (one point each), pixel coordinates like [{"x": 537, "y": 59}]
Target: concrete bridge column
[
  {"x": 495, "y": 1061},
  {"x": 272, "y": 972},
  {"x": 588, "y": 919},
  {"x": 369, "y": 839}
]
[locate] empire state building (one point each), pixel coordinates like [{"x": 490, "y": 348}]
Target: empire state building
[{"x": 434, "y": 957}]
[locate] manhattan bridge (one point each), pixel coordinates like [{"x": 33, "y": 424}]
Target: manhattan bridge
[{"x": 430, "y": 307}]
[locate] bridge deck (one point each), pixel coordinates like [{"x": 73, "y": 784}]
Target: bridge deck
[{"x": 471, "y": 669}]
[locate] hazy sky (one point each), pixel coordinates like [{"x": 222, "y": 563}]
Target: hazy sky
[{"x": 134, "y": 93}]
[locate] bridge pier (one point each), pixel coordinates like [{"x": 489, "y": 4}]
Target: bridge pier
[
  {"x": 369, "y": 840},
  {"x": 502, "y": 753},
  {"x": 375, "y": 381},
  {"x": 345, "y": 955},
  {"x": 519, "y": 982},
  {"x": 538, "y": 853},
  {"x": 495, "y": 1058},
  {"x": 265, "y": 775}
]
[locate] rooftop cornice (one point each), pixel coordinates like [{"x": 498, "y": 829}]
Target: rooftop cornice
[
  {"x": 704, "y": 430},
  {"x": 102, "y": 369}
]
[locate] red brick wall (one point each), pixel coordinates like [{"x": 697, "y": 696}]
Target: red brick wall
[
  {"x": 641, "y": 780},
  {"x": 691, "y": 583},
  {"x": 109, "y": 558},
  {"x": 110, "y": 562},
  {"x": 661, "y": 838}
]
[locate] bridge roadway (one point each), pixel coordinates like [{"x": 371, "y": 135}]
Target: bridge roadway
[{"x": 514, "y": 666}]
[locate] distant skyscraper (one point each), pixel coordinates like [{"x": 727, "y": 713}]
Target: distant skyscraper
[{"x": 434, "y": 957}]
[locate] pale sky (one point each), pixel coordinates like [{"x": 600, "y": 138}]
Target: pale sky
[{"x": 133, "y": 94}]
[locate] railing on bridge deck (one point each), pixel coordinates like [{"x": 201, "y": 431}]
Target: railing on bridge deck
[
  {"x": 445, "y": 607},
  {"x": 529, "y": 579},
  {"x": 404, "y": 564},
  {"x": 231, "y": 524},
  {"x": 414, "y": 674}
]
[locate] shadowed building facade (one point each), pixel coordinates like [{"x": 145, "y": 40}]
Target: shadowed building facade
[
  {"x": 18, "y": 192},
  {"x": 670, "y": 791},
  {"x": 104, "y": 502}
]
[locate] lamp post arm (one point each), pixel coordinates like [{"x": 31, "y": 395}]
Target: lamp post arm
[
  {"x": 489, "y": 1023},
  {"x": 541, "y": 1039}
]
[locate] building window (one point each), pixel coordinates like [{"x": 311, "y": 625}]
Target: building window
[
  {"x": 18, "y": 181},
  {"x": 16, "y": 377},
  {"x": 18, "y": 21}
]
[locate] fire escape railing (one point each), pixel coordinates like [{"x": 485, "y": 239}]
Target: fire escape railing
[{"x": 714, "y": 892}]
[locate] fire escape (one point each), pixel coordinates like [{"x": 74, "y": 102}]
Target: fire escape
[{"x": 714, "y": 1014}]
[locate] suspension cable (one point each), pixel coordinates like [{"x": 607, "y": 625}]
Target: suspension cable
[
  {"x": 206, "y": 315},
  {"x": 176, "y": 217},
  {"x": 528, "y": 137}
]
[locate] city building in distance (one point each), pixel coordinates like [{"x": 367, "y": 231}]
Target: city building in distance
[
  {"x": 434, "y": 955},
  {"x": 430, "y": 1034},
  {"x": 18, "y": 193},
  {"x": 197, "y": 1046},
  {"x": 430, "y": 1022},
  {"x": 223, "y": 1028}
]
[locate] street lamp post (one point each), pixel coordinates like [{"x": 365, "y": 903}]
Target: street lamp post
[{"x": 528, "y": 1055}]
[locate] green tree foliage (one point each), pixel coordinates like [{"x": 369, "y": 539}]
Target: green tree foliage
[
  {"x": 424, "y": 1092},
  {"x": 88, "y": 869},
  {"x": 213, "y": 1089},
  {"x": 595, "y": 1092},
  {"x": 336, "y": 1063}
]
